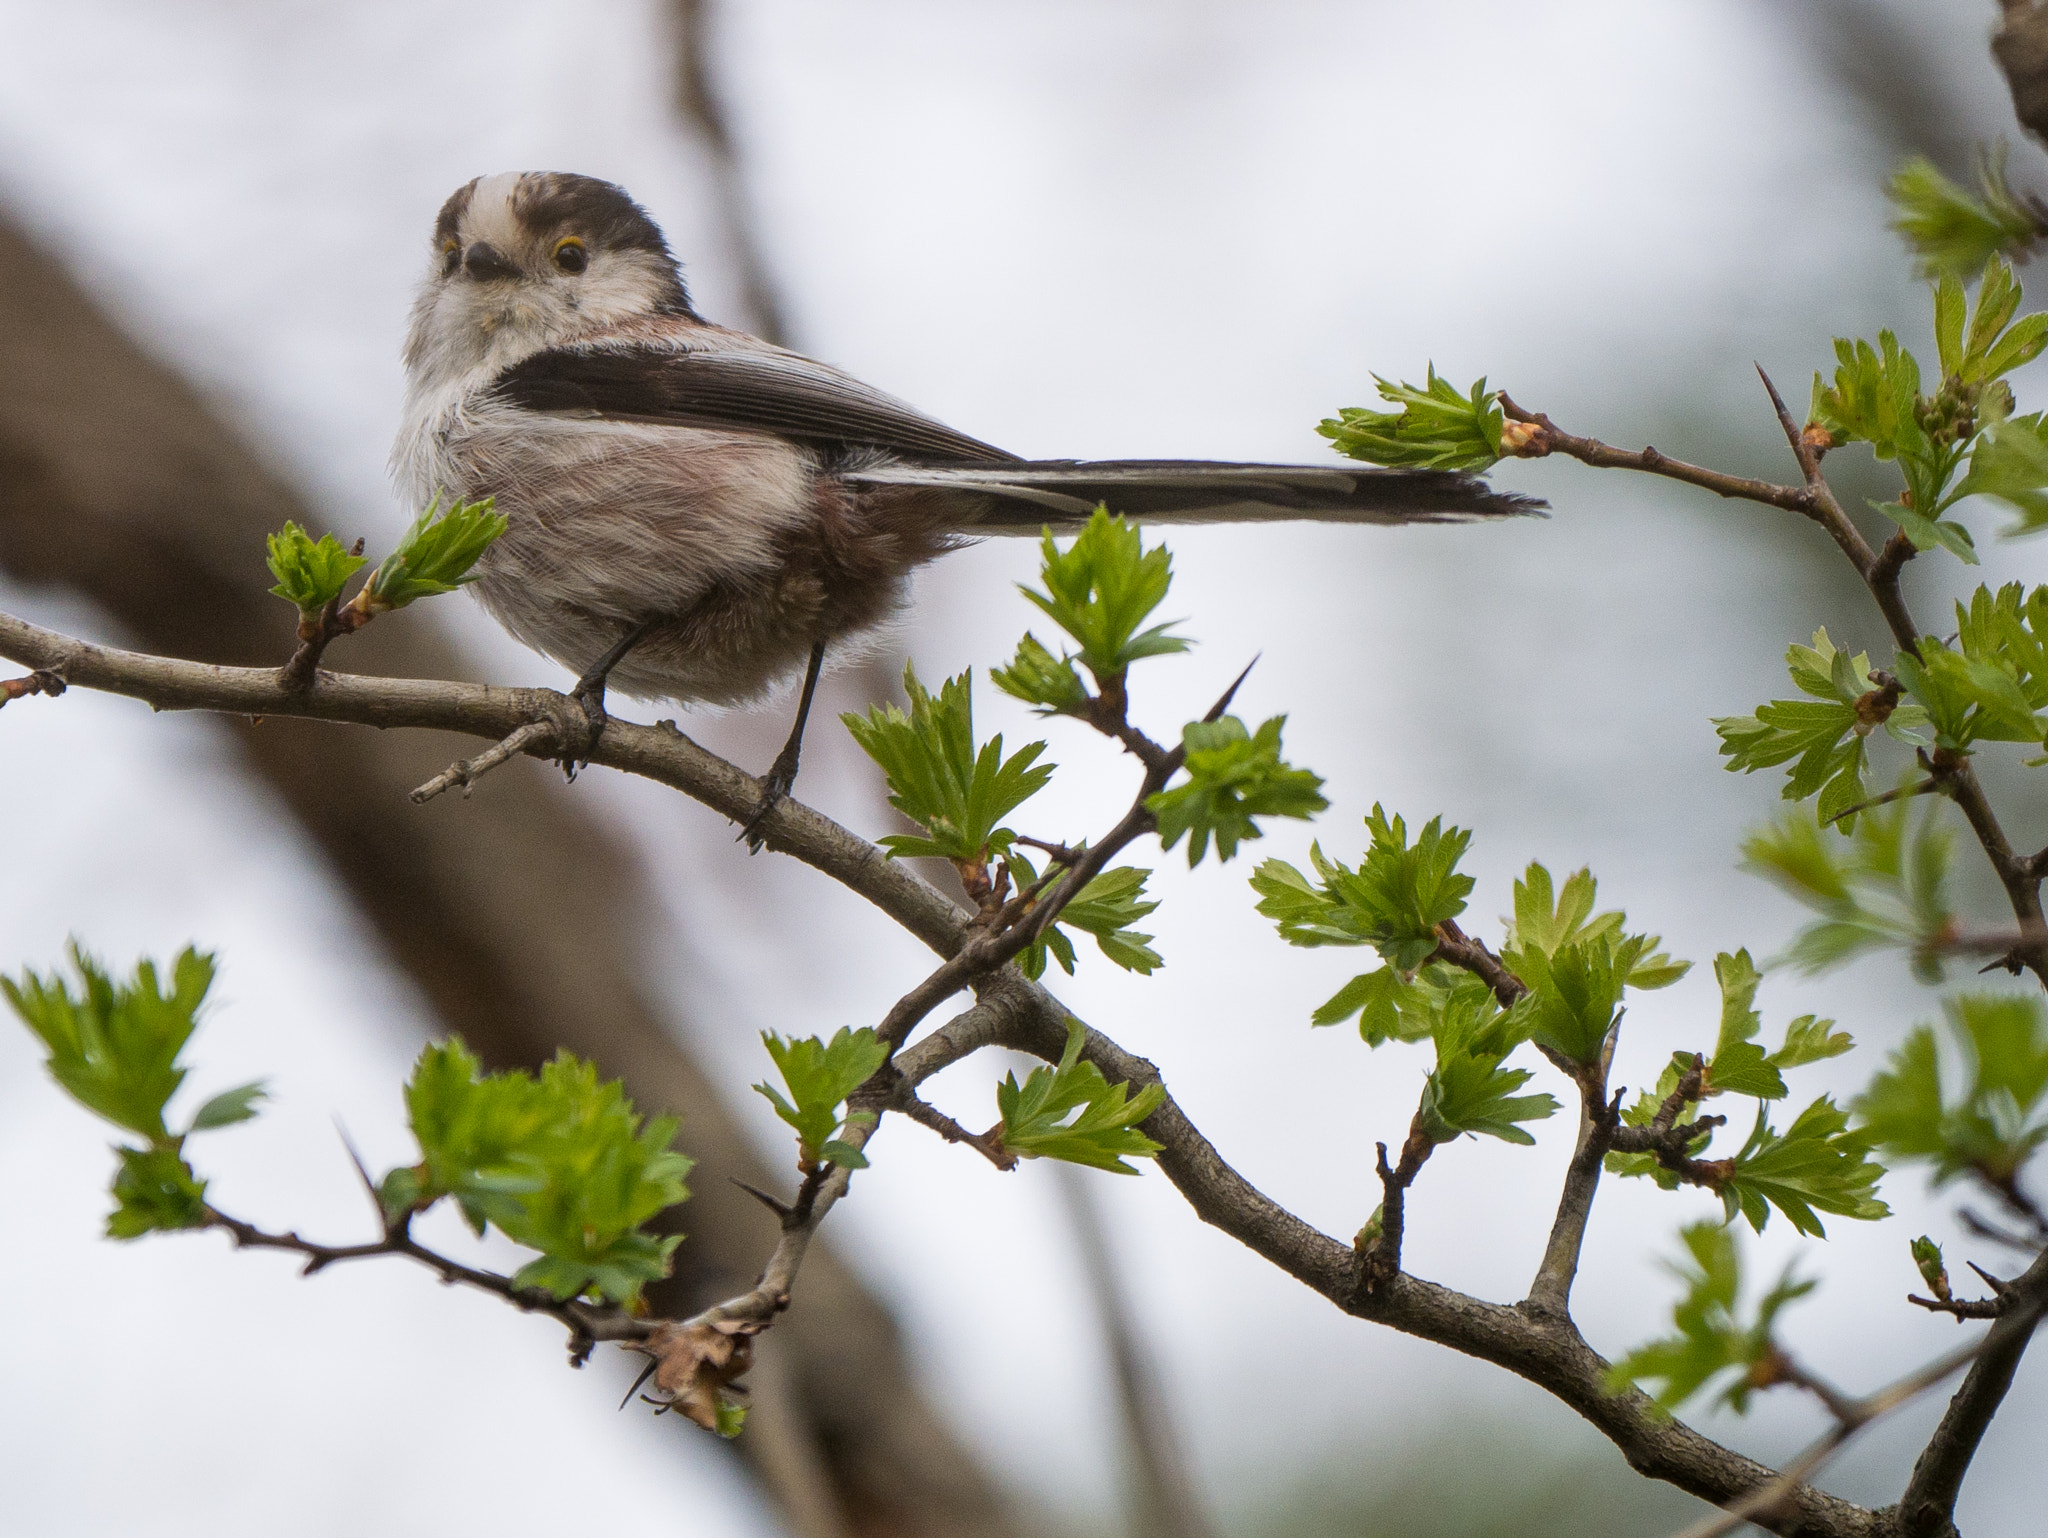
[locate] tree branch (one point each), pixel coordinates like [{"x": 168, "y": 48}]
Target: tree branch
[{"x": 1010, "y": 1012}]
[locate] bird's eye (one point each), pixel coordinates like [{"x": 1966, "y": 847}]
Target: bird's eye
[{"x": 570, "y": 255}]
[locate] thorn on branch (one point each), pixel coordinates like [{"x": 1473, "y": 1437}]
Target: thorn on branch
[
  {"x": 466, "y": 772},
  {"x": 1216, "y": 710},
  {"x": 774, "y": 1204},
  {"x": 41, "y": 681}
]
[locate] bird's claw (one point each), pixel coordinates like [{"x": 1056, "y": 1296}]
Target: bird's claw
[{"x": 776, "y": 786}]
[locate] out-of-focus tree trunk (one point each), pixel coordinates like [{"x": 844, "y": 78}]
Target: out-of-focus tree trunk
[{"x": 518, "y": 913}]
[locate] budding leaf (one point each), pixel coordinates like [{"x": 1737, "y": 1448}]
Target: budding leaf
[
  {"x": 1711, "y": 1338},
  {"x": 1739, "y": 1066},
  {"x": 1927, "y": 1260},
  {"x": 1039, "y": 678},
  {"x": 819, "y": 1076},
  {"x": 310, "y": 575},
  {"x": 1099, "y": 590},
  {"x": 939, "y": 779},
  {"x": 1436, "y": 427},
  {"x": 1035, "y": 1114},
  {"x": 114, "y": 1045},
  {"x": 1233, "y": 777},
  {"x": 435, "y": 556},
  {"x": 1548, "y": 918},
  {"x": 1469, "y": 1090}
]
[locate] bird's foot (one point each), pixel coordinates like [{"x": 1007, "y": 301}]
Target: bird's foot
[
  {"x": 776, "y": 786},
  {"x": 589, "y": 697}
]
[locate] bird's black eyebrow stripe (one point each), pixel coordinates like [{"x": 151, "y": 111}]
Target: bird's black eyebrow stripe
[{"x": 762, "y": 392}]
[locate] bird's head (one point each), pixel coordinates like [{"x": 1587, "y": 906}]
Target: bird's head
[{"x": 524, "y": 260}]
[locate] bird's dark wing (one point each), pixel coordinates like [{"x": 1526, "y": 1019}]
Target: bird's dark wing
[{"x": 761, "y": 391}]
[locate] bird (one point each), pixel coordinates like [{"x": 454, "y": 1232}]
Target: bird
[{"x": 693, "y": 514}]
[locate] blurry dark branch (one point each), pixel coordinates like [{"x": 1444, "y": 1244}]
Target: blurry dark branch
[
  {"x": 702, "y": 106},
  {"x": 116, "y": 482},
  {"x": 2021, "y": 47},
  {"x": 1851, "y": 1416},
  {"x": 1010, "y": 1012},
  {"x": 1163, "y": 1500}
]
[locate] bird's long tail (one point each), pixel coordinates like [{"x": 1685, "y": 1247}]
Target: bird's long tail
[{"x": 1021, "y": 497}]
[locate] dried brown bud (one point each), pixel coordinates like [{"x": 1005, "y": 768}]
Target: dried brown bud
[
  {"x": 1817, "y": 438},
  {"x": 695, "y": 1361},
  {"x": 1523, "y": 440}
]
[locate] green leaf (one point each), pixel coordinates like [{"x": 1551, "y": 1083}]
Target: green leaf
[
  {"x": 1099, "y": 590},
  {"x": 940, "y": 780},
  {"x": 1992, "y": 1128},
  {"x": 1035, "y": 1115},
  {"x": 1886, "y": 888},
  {"x": 229, "y": 1107},
  {"x": 2009, "y": 462},
  {"x": 1810, "y": 1039},
  {"x": 435, "y": 556},
  {"x": 559, "y": 1162},
  {"x": 819, "y": 1076},
  {"x": 1816, "y": 1163},
  {"x": 155, "y": 1191},
  {"x": 1954, "y": 233},
  {"x": 114, "y": 1045},
  {"x": 310, "y": 575},
  {"x": 1106, "y": 908},
  {"x": 1469, "y": 1091},
  {"x": 1575, "y": 994},
  {"x": 1233, "y": 777},
  {"x": 1436, "y": 427},
  {"x": 1738, "y": 1066},
  {"x": 1711, "y": 1339},
  {"x": 1927, "y": 533},
  {"x": 1039, "y": 678}
]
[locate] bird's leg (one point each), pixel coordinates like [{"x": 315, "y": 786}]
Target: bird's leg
[
  {"x": 589, "y": 690},
  {"x": 782, "y": 773}
]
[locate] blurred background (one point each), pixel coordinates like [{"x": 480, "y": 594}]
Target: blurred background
[{"x": 1113, "y": 228}]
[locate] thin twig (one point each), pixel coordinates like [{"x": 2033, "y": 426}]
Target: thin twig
[
  {"x": 41, "y": 681},
  {"x": 534, "y": 735},
  {"x": 1903, "y": 793}
]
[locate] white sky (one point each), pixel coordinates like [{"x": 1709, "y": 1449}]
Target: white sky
[{"x": 1075, "y": 229}]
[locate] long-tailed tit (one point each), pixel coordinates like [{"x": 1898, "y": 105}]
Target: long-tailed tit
[{"x": 693, "y": 512}]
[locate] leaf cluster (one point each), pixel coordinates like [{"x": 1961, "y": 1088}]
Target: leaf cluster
[
  {"x": 1954, "y": 232},
  {"x": 310, "y": 575},
  {"x": 819, "y": 1075},
  {"x": 1435, "y": 427},
  {"x": 957, "y": 792},
  {"x": 1823, "y": 735},
  {"x": 557, "y": 1161},
  {"x": 1106, "y": 908},
  {"x": 1876, "y": 397},
  {"x": 435, "y": 556},
  {"x": 1233, "y": 777},
  {"x": 1577, "y": 963},
  {"x": 1989, "y": 1118},
  {"x": 1394, "y": 900},
  {"x": 114, "y": 1047},
  {"x": 1992, "y": 683},
  {"x": 1711, "y": 1339},
  {"x": 1099, "y": 590},
  {"x": 1886, "y": 888},
  {"x": 1103, "y": 1129},
  {"x": 1815, "y": 1163},
  {"x": 1469, "y": 1091}
]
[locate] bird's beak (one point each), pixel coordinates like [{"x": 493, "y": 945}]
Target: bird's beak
[{"x": 483, "y": 260}]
